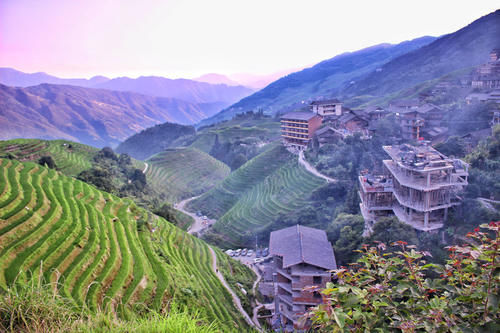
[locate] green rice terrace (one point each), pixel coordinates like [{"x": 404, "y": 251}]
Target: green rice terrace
[
  {"x": 184, "y": 172},
  {"x": 244, "y": 128},
  {"x": 70, "y": 157},
  {"x": 253, "y": 196},
  {"x": 105, "y": 252}
]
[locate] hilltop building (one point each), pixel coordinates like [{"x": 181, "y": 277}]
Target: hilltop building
[
  {"x": 419, "y": 187},
  {"x": 329, "y": 107},
  {"x": 419, "y": 121},
  {"x": 297, "y": 128},
  {"x": 303, "y": 258},
  {"x": 487, "y": 76}
]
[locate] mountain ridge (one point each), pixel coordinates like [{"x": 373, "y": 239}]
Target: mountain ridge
[{"x": 96, "y": 117}]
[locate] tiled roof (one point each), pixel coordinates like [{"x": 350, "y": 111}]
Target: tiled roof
[
  {"x": 299, "y": 244},
  {"x": 299, "y": 115},
  {"x": 326, "y": 101}
]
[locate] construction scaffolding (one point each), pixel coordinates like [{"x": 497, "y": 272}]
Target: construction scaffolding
[{"x": 419, "y": 187}]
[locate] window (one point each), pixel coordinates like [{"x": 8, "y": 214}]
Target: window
[{"x": 317, "y": 280}]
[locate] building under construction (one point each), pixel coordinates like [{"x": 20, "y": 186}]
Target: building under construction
[{"x": 419, "y": 185}]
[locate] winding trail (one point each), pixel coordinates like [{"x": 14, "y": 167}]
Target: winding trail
[
  {"x": 312, "y": 169},
  {"x": 488, "y": 203},
  {"x": 198, "y": 225},
  {"x": 145, "y": 168},
  {"x": 236, "y": 299},
  {"x": 259, "y": 304}
]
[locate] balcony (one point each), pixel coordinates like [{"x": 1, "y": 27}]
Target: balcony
[
  {"x": 417, "y": 222},
  {"x": 285, "y": 286},
  {"x": 419, "y": 180},
  {"x": 419, "y": 205},
  {"x": 285, "y": 272}
]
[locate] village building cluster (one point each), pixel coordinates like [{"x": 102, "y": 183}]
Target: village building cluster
[{"x": 330, "y": 119}]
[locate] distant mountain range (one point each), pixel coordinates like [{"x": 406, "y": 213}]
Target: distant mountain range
[
  {"x": 253, "y": 81},
  {"x": 377, "y": 72},
  {"x": 188, "y": 90},
  {"x": 96, "y": 117}
]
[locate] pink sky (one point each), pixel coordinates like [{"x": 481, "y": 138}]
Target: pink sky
[{"x": 82, "y": 38}]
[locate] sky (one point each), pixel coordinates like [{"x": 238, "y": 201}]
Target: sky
[{"x": 188, "y": 38}]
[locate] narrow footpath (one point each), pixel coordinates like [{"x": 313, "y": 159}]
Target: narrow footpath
[
  {"x": 259, "y": 304},
  {"x": 312, "y": 169},
  {"x": 145, "y": 168},
  {"x": 236, "y": 299}
]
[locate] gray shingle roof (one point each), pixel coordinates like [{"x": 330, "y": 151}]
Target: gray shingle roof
[
  {"x": 298, "y": 115},
  {"x": 299, "y": 244},
  {"x": 326, "y": 101}
]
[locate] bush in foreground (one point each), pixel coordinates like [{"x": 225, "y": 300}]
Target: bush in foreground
[{"x": 393, "y": 291}]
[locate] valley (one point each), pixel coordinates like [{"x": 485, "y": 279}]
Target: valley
[{"x": 333, "y": 198}]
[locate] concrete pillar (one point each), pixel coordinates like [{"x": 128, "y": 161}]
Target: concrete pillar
[
  {"x": 426, "y": 219},
  {"x": 445, "y": 214},
  {"x": 428, "y": 179}
]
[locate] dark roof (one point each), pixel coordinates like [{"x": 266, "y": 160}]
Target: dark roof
[
  {"x": 428, "y": 107},
  {"x": 324, "y": 130},
  {"x": 299, "y": 115},
  {"x": 299, "y": 244},
  {"x": 326, "y": 101}
]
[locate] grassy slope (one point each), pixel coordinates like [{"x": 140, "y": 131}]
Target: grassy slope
[
  {"x": 104, "y": 251},
  {"x": 71, "y": 161},
  {"x": 263, "y": 130},
  {"x": 252, "y": 197},
  {"x": 185, "y": 172}
]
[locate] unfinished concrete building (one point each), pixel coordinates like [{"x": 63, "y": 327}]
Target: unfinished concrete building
[
  {"x": 303, "y": 258},
  {"x": 422, "y": 184}
]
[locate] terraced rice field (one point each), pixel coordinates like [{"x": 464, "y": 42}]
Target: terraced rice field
[
  {"x": 286, "y": 190},
  {"x": 184, "y": 172},
  {"x": 71, "y": 158},
  {"x": 104, "y": 252},
  {"x": 216, "y": 202},
  {"x": 253, "y": 196}
]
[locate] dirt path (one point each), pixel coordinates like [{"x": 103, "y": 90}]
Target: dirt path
[
  {"x": 236, "y": 299},
  {"x": 259, "y": 305},
  {"x": 488, "y": 203},
  {"x": 312, "y": 169},
  {"x": 145, "y": 168},
  {"x": 198, "y": 225}
]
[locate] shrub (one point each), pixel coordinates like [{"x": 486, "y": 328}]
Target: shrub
[{"x": 393, "y": 291}]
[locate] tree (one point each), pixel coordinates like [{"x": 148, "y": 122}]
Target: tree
[
  {"x": 345, "y": 233},
  {"x": 47, "y": 161},
  {"x": 392, "y": 291},
  {"x": 388, "y": 230}
]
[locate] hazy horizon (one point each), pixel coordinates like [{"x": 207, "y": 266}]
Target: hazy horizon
[{"x": 187, "y": 39}]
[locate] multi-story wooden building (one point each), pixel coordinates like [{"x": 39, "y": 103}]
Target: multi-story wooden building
[
  {"x": 303, "y": 258},
  {"x": 297, "y": 128},
  {"x": 328, "y": 107},
  {"x": 421, "y": 183}
]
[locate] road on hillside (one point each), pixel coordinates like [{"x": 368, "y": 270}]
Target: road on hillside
[
  {"x": 236, "y": 299},
  {"x": 312, "y": 169},
  {"x": 145, "y": 168},
  {"x": 199, "y": 224}
]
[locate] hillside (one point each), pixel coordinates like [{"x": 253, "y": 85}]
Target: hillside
[
  {"x": 250, "y": 199},
  {"x": 467, "y": 47},
  {"x": 322, "y": 80},
  {"x": 184, "y": 172},
  {"x": 71, "y": 158},
  {"x": 104, "y": 251},
  {"x": 95, "y": 117},
  {"x": 153, "y": 140}
]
